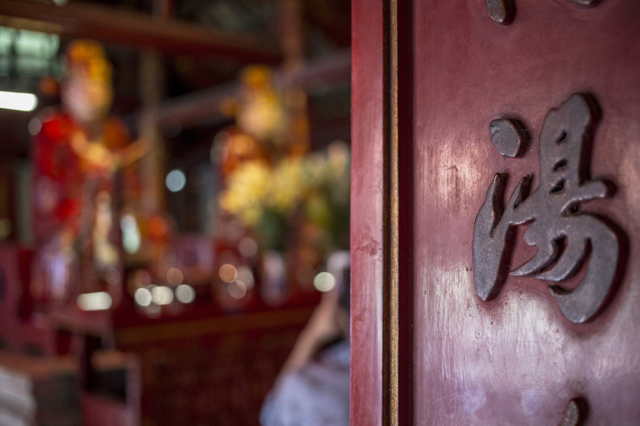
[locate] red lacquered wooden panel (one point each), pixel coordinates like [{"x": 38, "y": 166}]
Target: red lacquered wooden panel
[
  {"x": 516, "y": 359},
  {"x": 367, "y": 213}
]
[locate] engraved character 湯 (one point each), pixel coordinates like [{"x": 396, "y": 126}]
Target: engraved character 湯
[{"x": 565, "y": 236}]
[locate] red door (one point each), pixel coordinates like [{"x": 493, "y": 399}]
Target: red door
[{"x": 496, "y": 191}]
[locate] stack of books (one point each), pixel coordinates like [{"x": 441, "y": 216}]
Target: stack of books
[{"x": 38, "y": 391}]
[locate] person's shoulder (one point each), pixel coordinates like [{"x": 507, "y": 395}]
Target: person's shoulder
[
  {"x": 337, "y": 355},
  {"x": 318, "y": 394}
]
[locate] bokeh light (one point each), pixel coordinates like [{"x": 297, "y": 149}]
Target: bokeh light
[
  {"x": 18, "y": 101},
  {"x": 245, "y": 275},
  {"x": 99, "y": 301},
  {"x": 142, "y": 296},
  {"x": 175, "y": 276},
  {"x": 34, "y": 126},
  {"x": 176, "y": 180},
  {"x": 228, "y": 273},
  {"x": 248, "y": 247},
  {"x": 185, "y": 293},
  {"x": 237, "y": 289},
  {"x": 161, "y": 295},
  {"x": 131, "y": 238},
  {"x": 324, "y": 282}
]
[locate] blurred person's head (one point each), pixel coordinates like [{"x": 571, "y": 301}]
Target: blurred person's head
[{"x": 86, "y": 90}]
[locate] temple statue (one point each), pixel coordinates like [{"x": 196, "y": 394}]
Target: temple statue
[{"x": 80, "y": 154}]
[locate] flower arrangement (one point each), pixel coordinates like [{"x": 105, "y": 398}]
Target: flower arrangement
[
  {"x": 246, "y": 191},
  {"x": 271, "y": 199}
]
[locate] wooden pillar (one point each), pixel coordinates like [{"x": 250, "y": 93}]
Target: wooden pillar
[
  {"x": 151, "y": 76},
  {"x": 292, "y": 41}
]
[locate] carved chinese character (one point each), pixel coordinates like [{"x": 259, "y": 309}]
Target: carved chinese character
[
  {"x": 503, "y": 11},
  {"x": 565, "y": 236}
]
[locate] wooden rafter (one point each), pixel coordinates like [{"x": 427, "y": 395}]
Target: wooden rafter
[
  {"x": 133, "y": 29},
  {"x": 206, "y": 106}
]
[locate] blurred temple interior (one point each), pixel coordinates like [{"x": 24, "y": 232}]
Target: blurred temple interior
[{"x": 174, "y": 203}]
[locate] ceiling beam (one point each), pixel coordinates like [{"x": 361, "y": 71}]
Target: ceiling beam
[
  {"x": 136, "y": 30},
  {"x": 206, "y": 106}
]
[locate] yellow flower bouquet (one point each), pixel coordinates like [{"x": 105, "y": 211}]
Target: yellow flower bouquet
[{"x": 271, "y": 199}]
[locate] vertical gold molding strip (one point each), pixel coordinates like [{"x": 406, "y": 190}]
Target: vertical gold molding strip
[{"x": 391, "y": 211}]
